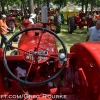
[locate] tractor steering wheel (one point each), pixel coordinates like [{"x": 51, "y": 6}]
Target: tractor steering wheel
[{"x": 25, "y": 81}]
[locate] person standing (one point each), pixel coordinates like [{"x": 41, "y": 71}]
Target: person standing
[
  {"x": 93, "y": 33},
  {"x": 32, "y": 18},
  {"x": 3, "y": 30}
]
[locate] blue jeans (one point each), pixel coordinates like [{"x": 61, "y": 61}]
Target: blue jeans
[{"x": 3, "y": 40}]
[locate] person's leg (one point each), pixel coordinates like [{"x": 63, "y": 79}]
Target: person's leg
[
  {"x": 4, "y": 39},
  {"x": 1, "y": 45}
]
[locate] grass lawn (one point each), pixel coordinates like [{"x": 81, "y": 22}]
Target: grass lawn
[{"x": 69, "y": 39}]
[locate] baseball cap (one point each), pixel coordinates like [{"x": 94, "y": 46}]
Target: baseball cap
[
  {"x": 4, "y": 16},
  {"x": 32, "y": 15}
]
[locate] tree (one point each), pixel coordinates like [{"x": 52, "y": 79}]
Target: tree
[
  {"x": 59, "y": 2},
  {"x": 48, "y": 1},
  {"x": 2, "y": 5},
  {"x": 24, "y": 6},
  {"x": 87, "y": 2},
  {"x": 31, "y": 7}
]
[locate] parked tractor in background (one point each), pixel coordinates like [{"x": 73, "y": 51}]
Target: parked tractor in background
[
  {"x": 80, "y": 21},
  {"x": 54, "y": 18},
  {"x": 11, "y": 23},
  {"x": 57, "y": 21},
  {"x": 11, "y": 17}
]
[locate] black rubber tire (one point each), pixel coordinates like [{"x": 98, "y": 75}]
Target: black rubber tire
[
  {"x": 14, "y": 52},
  {"x": 58, "y": 28},
  {"x": 71, "y": 25},
  {"x": 57, "y": 21},
  {"x": 75, "y": 27}
]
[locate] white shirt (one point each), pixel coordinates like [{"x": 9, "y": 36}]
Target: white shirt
[
  {"x": 31, "y": 20},
  {"x": 94, "y": 34}
]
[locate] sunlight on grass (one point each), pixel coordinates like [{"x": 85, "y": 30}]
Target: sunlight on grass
[{"x": 70, "y": 39}]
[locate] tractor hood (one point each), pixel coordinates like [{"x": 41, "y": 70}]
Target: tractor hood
[{"x": 30, "y": 40}]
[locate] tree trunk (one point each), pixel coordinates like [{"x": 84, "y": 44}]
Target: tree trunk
[
  {"x": 82, "y": 1},
  {"x": 86, "y": 6},
  {"x": 7, "y": 7},
  {"x": 91, "y": 7},
  {"x": 38, "y": 6},
  {"x": 23, "y": 7},
  {"x": 48, "y": 1},
  {"x": 31, "y": 7},
  {"x": 2, "y": 5},
  {"x": 65, "y": 2},
  {"x": 61, "y": 2}
]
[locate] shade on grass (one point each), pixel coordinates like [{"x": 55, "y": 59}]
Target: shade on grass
[{"x": 70, "y": 39}]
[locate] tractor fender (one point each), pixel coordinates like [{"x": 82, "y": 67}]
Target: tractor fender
[{"x": 88, "y": 58}]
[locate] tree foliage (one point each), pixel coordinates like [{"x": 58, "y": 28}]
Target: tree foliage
[{"x": 60, "y": 3}]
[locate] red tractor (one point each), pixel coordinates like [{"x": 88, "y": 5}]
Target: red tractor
[
  {"x": 79, "y": 21},
  {"x": 11, "y": 23},
  {"x": 11, "y": 18},
  {"x": 53, "y": 18},
  {"x": 38, "y": 70}
]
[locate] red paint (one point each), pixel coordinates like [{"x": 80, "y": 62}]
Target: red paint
[
  {"x": 88, "y": 55},
  {"x": 82, "y": 20},
  {"x": 1, "y": 85},
  {"x": 29, "y": 41},
  {"x": 53, "y": 90},
  {"x": 1, "y": 52},
  {"x": 80, "y": 78}
]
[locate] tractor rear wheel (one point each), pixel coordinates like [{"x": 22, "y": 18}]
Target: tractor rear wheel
[
  {"x": 75, "y": 27},
  {"x": 57, "y": 21},
  {"x": 71, "y": 25}
]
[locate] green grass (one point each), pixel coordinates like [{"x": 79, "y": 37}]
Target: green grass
[{"x": 69, "y": 39}]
